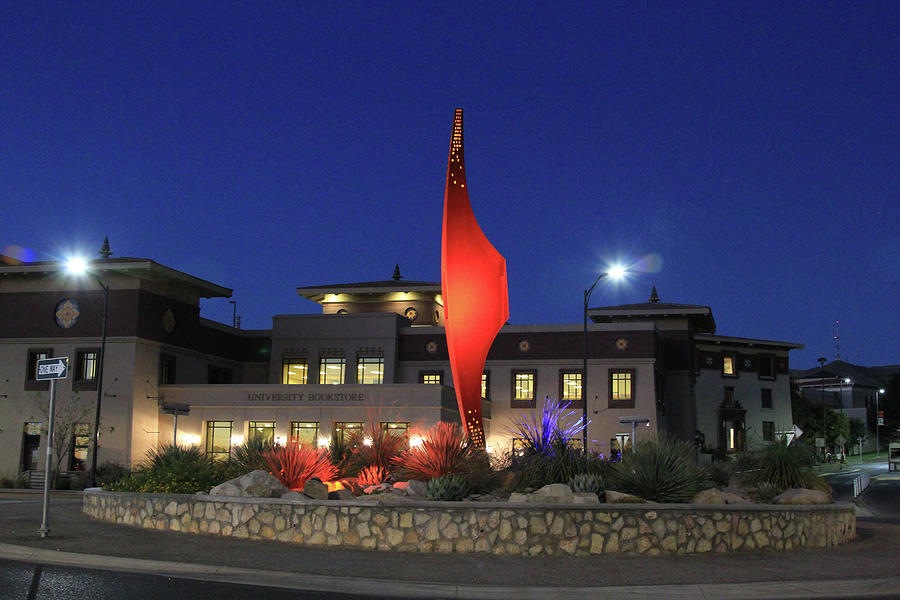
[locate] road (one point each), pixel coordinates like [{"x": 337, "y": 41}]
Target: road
[{"x": 881, "y": 500}]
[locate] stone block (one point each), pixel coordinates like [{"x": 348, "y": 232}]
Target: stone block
[{"x": 256, "y": 484}]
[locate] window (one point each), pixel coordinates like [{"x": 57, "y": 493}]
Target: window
[
  {"x": 34, "y": 355},
  {"x": 85, "y": 370},
  {"x": 397, "y": 429},
  {"x": 570, "y": 387},
  {"x": 345, "y": 430},
  {"x": 621, "y": 388},
  {"x": 31, "y": 441},
  {"x": 729, "y": 365},
  {"x": 218, "y": 375},
  {"x": 81, "y": 440},
  {"x": 523, "y": 383},
  {"x": 166, "y": 369},
  {"x": 766, "y": 398},
  {"x": 261, "y": 431},
  {"x": 431, "y": 377},
  {"x": 369, "y": 369},
  {"x": 294, "y": 371},
  {"x": 305, "y": 433},
  {"x": 768, "y": 431},
  {"x": 485, "y": 385},
  {"x": 331, "y": 370},
  {"x": 729, "y": 397},
  {"x": 766, "y": 367},
  {"x": 218, "y": 439},
  {"x": 617, "y": 445}
]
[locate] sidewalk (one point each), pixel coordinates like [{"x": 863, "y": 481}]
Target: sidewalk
[{"x": 865, "y": 567}]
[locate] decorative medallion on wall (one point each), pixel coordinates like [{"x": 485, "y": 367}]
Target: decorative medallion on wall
[
  {"x": 621, "y": 344},
  {"x": 524, "y": 346},
  {"x": 168, "y": 320},
  {"x": 67, "y": 313},
  {"x": 431, "y": 347},
  {"x": 709, "y": 360},
  {"x": 747, "y": 363},
  {"x": 411, "y": 314}
]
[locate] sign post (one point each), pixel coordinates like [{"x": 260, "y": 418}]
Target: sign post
[{"x": 50, "y": 369}]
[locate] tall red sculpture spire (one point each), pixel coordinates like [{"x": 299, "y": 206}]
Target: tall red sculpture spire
[{"x": 473, "y": 283}]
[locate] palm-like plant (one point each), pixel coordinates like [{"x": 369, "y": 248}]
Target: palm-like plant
[
  {"x": 550, "y": 434},
  {"x": 444, "y": 450},
  {"x": 293, "y": 465}
]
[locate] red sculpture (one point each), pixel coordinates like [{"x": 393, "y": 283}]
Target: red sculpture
[{"x": 473, "y": 283}]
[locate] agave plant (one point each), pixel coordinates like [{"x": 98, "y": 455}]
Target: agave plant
[
  {"x": 249, "y": 455},
  {"x": 660, "y": 469},
  {"x": 372, "y": 475},
  {"x": 447, "y": 488},
  {"x": 293, "y": 465},
  {"x": 444, "y": 450}
]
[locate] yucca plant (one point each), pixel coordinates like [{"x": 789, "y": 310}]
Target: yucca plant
[
  {"x": 550, "y": 434},
  {"x": 444, "y": 450},
  {"x": 783, "y": 466},
  {"x": 172, "y": 469},
  {"x": 293, "y": 465},
  {"x": 375, "y": 446},
  {"x": 660, "y": 469},
  {"x": 249, "y": 455},
  {"x": 372, "y": 475},
  {"x": 447, "y": 488}
]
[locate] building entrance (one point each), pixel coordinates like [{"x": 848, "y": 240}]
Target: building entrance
[{"x": 31, "y": 441}]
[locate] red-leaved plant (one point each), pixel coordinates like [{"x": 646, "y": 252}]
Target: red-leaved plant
[
  {"x": 372, "y": 475},
  {"x": 444, "y": 450},
  {"x": 294, "y": 464},
  {"x": 376, "y": 446}
]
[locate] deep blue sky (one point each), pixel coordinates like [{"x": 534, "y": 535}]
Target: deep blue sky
[{"x": 749, "y": 148}]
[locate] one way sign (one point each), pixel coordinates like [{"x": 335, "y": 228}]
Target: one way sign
[{"x": 52, "y": 368}]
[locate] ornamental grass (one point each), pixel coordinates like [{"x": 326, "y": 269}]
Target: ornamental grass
[
  {"x": 445, "y": 450},
  {"x": 294, "y": 464},
  {"x": 660, "y": 469}
]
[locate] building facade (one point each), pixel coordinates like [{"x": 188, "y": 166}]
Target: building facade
[{"x": 376, "y": 356}]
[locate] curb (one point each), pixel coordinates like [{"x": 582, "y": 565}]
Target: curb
[{"x": 839, "y": 588}]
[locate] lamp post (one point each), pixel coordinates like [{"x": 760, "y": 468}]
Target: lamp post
[
  {"x": 877, "y": 423},
  {"x": 821, "y": 361},
  {"x": 615, "y": 272},
  {"x": 78, "y": 266}
]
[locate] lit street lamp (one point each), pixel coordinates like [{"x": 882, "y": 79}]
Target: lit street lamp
[
  {"x": 877, "y": 422},
  {"x": 78, "y": 266},
  {"x": 615, "y": 272}
]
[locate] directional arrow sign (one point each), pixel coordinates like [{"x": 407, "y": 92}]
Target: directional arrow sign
[{"x": 52, "y": 368}]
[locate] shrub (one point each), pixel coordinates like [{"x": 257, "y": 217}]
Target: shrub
[
  {"x": 478, "y": 470},
  {"x": 720, "y": 472},
  {"x": 659, "y": 469},
  {"x": 294, "y": 464},
  {"x": 172, "y": 470},
  {"x": 20, "y": 481},
  {"x": 782, "y": 466},
  {"x": 110, "y": 472},
  {"x": 249, "y": 455},
  {"x": 340, "y": 453},
  {"x": 443, "y": 451},
  {"x": 447, "y": 487},
  {"x": 539, "y": 470}
]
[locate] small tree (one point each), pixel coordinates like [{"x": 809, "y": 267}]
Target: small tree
[{"x": 70, "y": 419}]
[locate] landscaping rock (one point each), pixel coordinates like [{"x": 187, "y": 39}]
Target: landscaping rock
[
  {"x": 740, "y": 496},
  {"x": 341, "y": 494},
  {"x": 413, "y": 487},
  {"x": 585, "y": 498},
  {"x": 256, "y": 484},
  {"x": 555, "y": 493},
  {"x": 801, "y": 496},
  {"x": 295, "y": 497},
  {"x": 381, "y": 487},
  {"x": 352, "y": 484},
  {"x": 613, "y": 497},
  {"x": 315, "y": 489},
  {"x": 709, "y": 496}
]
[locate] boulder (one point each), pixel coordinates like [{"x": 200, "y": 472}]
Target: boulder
[
  {"x": 613, "y": 497},
  {"x": 381, "y": 487},
  {"x": 519, "y": 497},
  {"x": 352, "y": 484},
  {"x": 315, "y": 489},
  {"x": 709, "y": 496},
  {"x": 555, "y": 493},
  {"x": 734, "y": 495},
  {"x": 585, "y": 498},
  {"x": 341, "y": 494},
  {"x": 256, "y": 484},
  {"x": 413, "y": 487},
  {"x": 801, "y": 496},
  {"x": 295, "y": 497}
]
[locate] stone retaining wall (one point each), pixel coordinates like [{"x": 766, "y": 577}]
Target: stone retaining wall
[{"x": 495, "y": 527}]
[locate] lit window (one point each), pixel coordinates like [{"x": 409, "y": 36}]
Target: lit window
[
  {"x": 218, "y": 439},
  {"x": 345, "y": 430},
  {"x": 305, "y": 433},
  {"x": 331, "y": 370},
  {"x": 294, "y": 371},
  {"x": 370, "y": 370},
  {"x": 85, "y": 370},
  {"x": 261, "y": 431},
  {"x": 728, "y": 366},
  {"x": 81, "y": 440},
  {"x": 621, "y": 388},
  {"x": 431, "y": 377},
  {"x": 397, "y": 429},
  {"x": 485, "y": 385},
  {"x": 523, "y": 389},
  {"x": 570, "y": 386},
  {"x": 166, "y": 369}
]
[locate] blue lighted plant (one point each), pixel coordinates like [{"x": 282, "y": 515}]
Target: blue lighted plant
[{"x": 549, "y": 435}]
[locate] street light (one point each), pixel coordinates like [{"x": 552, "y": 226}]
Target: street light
[
  {"x": 78, "y": 266},
  {"x": 821, "y": 361},
  {"x": 615, "y": 272},
  {"x": 877, "y": 447}
]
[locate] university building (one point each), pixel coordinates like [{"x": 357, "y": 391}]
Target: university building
[{"x": 375, "y": 355}]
